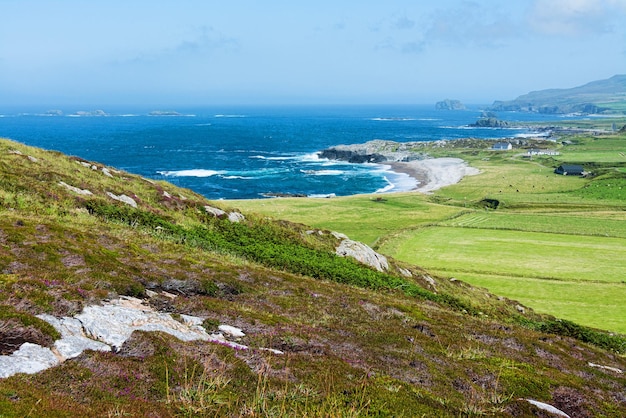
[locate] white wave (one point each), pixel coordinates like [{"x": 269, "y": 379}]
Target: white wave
[
  {"x": 202, "y": 124},
  {"x": 397, "y": 182},
  {"x": 533, "y": 135},
  {"x": 322, "y": 196},
  {"x": 427, "y": 119},
  {"x": 191, "y": 173},
  {"x": 237, "y": 178},
  {"x": 262, "y": 157},
  {"x": 323, "y": 172},
  {"x": 229, "y": 116},
  {"x": 310, "y": 157},
  {"x": 393, "y": 119}
]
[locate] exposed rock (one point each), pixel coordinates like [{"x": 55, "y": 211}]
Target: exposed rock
[
  {"x": 123, "y": 198},
  {"x": 548, "y": 408},
  {"x": 236, "y": 217},
  {"x": 490, "y": 123},
  {"x": 599, "y": 366},
  {"x": 30, "y": 358},
  {"x": 362, "y": 253},
  {"x": 106, "y": 172},
  {"x": 73, "y": 341},
  {"x": 232, "y": 331},
  {"x": 218, "y": 213},
  {"x": 376, "y": 151},
  {"x": 449, "y": 104},
  {"x": 221, "y": 214},
  {"x": 76, "y": 190},
  {"x": 114, "y": 323},
  {"x": 108, "y": 327}
]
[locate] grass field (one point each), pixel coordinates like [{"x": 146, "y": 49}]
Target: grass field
[{"x": 555, "y": 243}]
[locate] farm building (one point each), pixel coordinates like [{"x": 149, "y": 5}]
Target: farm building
[
  {"x": 570, "y": 170},
  {"x": 502, "y": 146}
]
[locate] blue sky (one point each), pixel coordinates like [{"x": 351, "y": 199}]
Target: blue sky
[{"x": 191, "y": 52}]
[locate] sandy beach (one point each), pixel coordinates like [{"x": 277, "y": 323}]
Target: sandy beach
[{"x": 434, "y": 173}]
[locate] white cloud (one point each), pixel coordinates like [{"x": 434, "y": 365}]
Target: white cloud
[
  {"x": 472, "y": 24},
  {"x": 576, "y": 17}
]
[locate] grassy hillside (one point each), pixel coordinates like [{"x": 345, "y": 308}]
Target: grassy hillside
[
  {"x": 355, "y": 341},
  {"x": 601, "y": 96},
  {"x": 548, "y": 233}
]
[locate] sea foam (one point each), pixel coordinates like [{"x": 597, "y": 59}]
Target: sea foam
[{"x": 190, "y": 173}]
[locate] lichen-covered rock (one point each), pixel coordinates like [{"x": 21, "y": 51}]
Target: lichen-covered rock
[
  {"x": 362, "y": 253},
  {"x": 123, "y": 198}
]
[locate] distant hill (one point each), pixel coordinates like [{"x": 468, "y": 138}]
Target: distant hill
[{"x": 602, "y": 96}]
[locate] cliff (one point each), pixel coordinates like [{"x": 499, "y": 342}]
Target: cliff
[{"x": 602, "y": 96}]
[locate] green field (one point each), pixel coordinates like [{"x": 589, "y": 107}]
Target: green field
[{"x": 555, "y": 243}]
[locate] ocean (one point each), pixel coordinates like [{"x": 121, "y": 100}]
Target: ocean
[{"x": 248, "y": 152}]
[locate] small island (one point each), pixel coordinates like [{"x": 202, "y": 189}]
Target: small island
[
  {"x": 449, "y": 104},
  {"x": 164, "y": 113}
]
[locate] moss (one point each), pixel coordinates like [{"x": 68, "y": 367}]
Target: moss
[{"x": 26, "y": 320}]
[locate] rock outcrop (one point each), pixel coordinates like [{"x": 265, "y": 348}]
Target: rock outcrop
[
  {"x": 450, "y": 104},
  {"x": 360, "y": 252},
  {"x": 105, "y": 328},
  {"x": 376, "y": 151}
]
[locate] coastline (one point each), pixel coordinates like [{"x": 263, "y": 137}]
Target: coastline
[{"x": 433, "y": 173}]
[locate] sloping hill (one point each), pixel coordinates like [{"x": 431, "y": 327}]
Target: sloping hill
[
  {"x": 602, "y": 96},
  {"x": 323, "y": 335}
]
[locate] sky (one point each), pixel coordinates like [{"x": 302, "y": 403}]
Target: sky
[{"x": 205, "y": 52}]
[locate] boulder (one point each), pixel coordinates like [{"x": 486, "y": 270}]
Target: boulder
[
  {"x": 123, "y": 198},
  {"x": 362, "y": 253}
]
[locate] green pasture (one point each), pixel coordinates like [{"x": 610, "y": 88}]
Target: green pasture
[
  {"x": 555, "y": 243},
  {"x": 365, "y": 218},
  {"x": 581, "y": 278},
  {"x": 599, "y": 305},
  {"x": 612, "y": 224},
  {"x": 513, "y": 253}
]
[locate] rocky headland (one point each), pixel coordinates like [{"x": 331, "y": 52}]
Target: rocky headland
[
  {"x": 376, "y": 151},
  {"x": 403, "y": 157}
]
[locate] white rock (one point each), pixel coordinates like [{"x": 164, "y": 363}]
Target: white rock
[
  {"x": 599, "y": 366},
  {"x": 123, "y": 198},
  {"x": 73, "y": 340},
  {"x": 106, "y": 172},
  {"x": 363, "y": 254},
  {"x": 75, "y": 189},
  {"x": 105, "y": 327},
  {"x": 30, "y": 358},
  {"x": 548, "y": 408},
  {"x": 215, "y": 211},
  {"x": 232, "y": 331},
  {"x": 236, "y": 217},
  {"x": 33, "y": 159}
]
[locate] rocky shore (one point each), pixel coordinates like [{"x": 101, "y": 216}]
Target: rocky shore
[{"x": 430, "y": 173}]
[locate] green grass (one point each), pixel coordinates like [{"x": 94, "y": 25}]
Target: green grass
[
  {"x": 546, "y": 226},
  {"x": 516, "y": 253},
  {"x": 599, "y": 305},
  {"x": 356, "y": 342},
  {"x": 363, "y": 218}
]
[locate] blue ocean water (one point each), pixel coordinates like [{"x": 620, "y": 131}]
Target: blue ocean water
[{"x": 248, "y": 152}]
